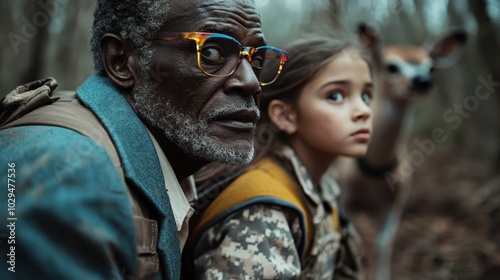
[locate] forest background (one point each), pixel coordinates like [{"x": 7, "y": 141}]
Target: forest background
[{"x": 450, "y": 225}]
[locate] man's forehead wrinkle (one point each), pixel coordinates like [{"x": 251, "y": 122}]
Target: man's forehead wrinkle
[
  {"x": 244, "y": 13},
  {"x": 228, "y": 28},
  {"x": 247, "y": 19}
]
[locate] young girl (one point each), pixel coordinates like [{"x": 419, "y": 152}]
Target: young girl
[{"x": 279, "y": 219}]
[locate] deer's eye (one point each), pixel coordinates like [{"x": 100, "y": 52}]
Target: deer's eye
[{"x": 392, "y": 68}]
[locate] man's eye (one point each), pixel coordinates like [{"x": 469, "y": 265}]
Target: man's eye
[
  {"x": 213, "y": 54},
  {"x": 336, "y": 96},
  {"x": 367, "y": 97},
  {"x": 257, "y": 62}
]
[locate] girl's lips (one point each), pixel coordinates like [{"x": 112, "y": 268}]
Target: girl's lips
[{"x": 362, "y": 135}]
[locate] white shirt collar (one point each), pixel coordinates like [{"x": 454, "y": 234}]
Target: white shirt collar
[{"x": 180, "y": 205}]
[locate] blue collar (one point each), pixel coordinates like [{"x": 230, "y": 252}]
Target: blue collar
[{"x": 136, "y": 150}]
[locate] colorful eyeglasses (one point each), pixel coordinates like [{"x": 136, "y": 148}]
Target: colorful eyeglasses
[{"x": 220, "y": 55}]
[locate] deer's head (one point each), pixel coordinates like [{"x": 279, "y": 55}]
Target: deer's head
[{"x": 405, "y": 71}]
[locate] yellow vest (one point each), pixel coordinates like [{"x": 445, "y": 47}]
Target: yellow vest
[{"x": 264, "y": 182}]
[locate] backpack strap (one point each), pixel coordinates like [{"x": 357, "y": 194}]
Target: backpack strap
[
  {"x": 265, "y": 182},
  {"x": 36, "y": 104},
  {"x": 348, "y": 262}
]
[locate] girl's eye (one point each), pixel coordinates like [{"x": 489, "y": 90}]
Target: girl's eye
[
  {"x": 367, "y": 97},
  {"x": 336, "y": 96}
]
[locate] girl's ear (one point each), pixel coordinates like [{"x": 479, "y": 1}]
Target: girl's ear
[{"x": 283, "y": 116}]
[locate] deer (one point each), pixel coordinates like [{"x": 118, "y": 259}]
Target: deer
[{"x": 374, "y": 194}]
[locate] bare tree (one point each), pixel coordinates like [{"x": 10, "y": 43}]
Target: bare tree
[{"x": 488, "y": 40}]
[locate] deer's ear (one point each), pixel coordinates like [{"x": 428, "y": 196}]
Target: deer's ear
[
  {"x": 370, "y": 38},
  {"x": 448, "y": 48}
]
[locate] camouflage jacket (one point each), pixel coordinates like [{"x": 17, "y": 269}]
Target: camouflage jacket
[{"x": 263, "y": 240}]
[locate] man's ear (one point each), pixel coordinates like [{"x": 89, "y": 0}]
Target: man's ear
[
  {"x": 283, "y": 116},
  {"x": 118, "y": 61}
]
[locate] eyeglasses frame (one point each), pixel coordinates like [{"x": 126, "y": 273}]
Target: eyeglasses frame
[{"x": 201, "y": 37}]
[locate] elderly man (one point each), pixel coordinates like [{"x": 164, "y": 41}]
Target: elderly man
[{"x": 93, "y": 190}]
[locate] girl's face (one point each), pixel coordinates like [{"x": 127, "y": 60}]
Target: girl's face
[{"x": 333, "y": 117}]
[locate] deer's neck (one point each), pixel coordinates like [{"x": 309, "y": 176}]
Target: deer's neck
[{"x": 389, "y": 118}]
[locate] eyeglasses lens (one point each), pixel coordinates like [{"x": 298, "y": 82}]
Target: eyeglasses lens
[{"x": 221, "y": 56}]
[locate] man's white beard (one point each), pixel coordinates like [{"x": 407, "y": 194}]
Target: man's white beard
[{"x": 189, "y": 135}]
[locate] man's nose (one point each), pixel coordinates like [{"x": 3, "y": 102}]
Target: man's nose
[{"x": 243, "y": 80}]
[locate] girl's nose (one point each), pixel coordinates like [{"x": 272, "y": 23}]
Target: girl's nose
[{"x": 361, "y": 111}]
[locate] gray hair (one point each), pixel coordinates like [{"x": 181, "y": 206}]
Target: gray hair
[{"x": 132, "y": 20}]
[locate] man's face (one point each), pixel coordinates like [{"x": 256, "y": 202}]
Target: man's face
[{"x": 211, "y": 118}]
